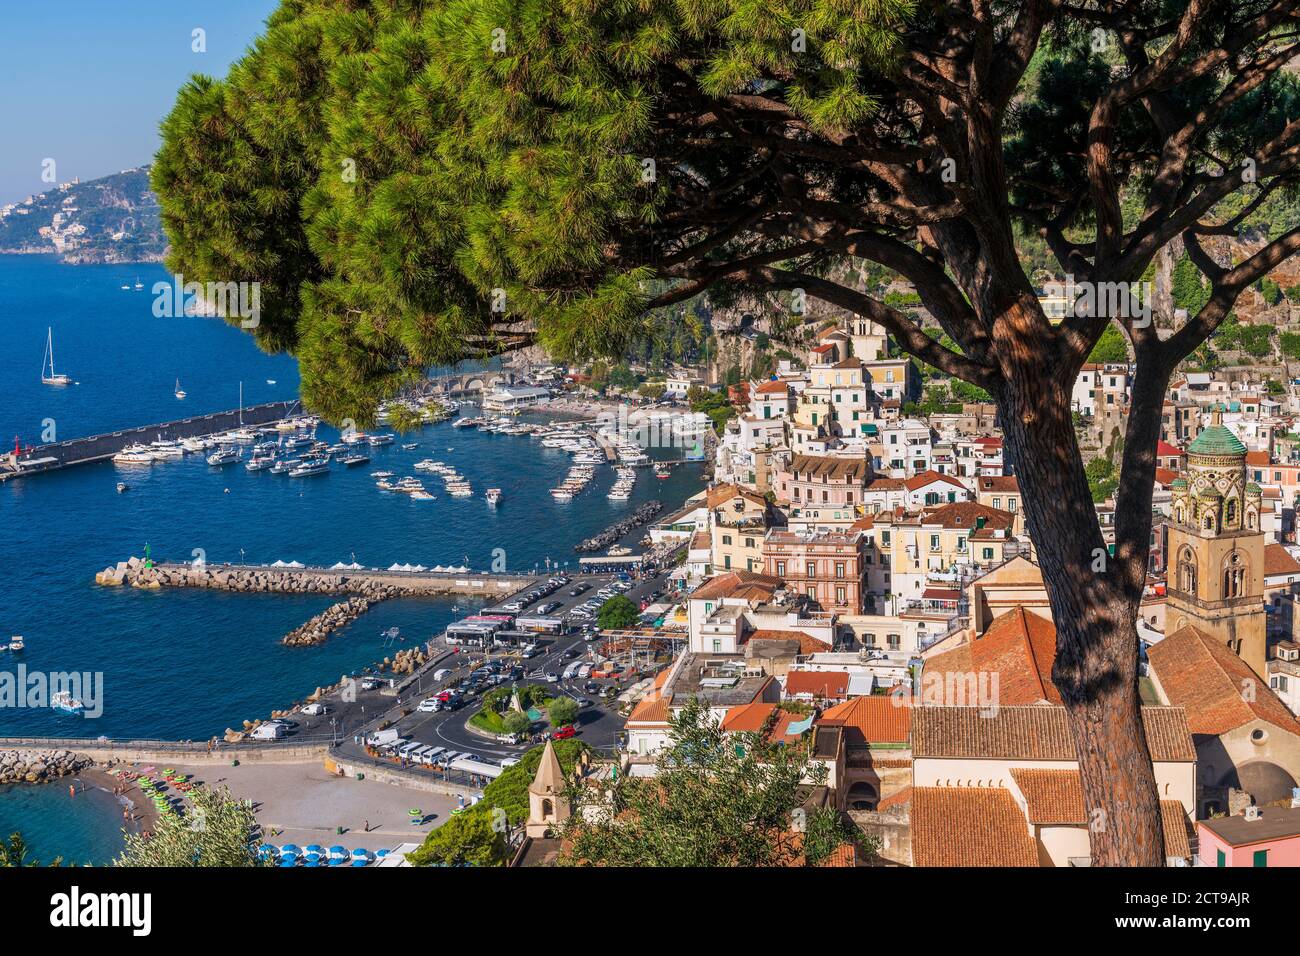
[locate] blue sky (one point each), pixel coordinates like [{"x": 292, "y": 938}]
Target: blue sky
[{"x": 86, "y": 82}]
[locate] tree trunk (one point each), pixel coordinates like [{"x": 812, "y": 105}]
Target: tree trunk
[{"x": 1096, "y": 644}]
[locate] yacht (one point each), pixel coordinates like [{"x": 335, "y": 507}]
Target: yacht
[
  {"x": 260, "y": 463},
  {"x": 493, "y": 496},
  {"x": 307, "y": 469},
  {"x": 134, "y": 455},
  {"x": 242, "y": 435},
  {"x": 410, "y": 446},
  {"x": 421, "y": 496},
  {"x": 353, "y": 460},
  {"x": 377, "y": 440},
  {"x": 163, "y": 450},
  {"x": 193, "y": 444},
  {"x": 180, "y": 392},
  {"x": 62, "y": 700},
  {"x": 562, "y": 494},
  {"x": 16, "y": 643},
  {"x": 226, "y": 456},
  {"x": 53, "y": 378},
  {"x": 284, "y": 466},
  {"x": 381, "y": 474}
]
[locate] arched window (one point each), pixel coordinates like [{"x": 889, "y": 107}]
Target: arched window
[
  {"x": 1234, "y": 575},
  {"x": 1230, "y": 516},
  {"x": 548, "y": 809},
  {"x": 1178, "y": 514},
  {"x": 1187, "y": 571},
  {"x": 1209, "y": 521},
  {"x": 1250, "y": 520}
]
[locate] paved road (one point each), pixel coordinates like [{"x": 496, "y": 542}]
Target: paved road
[{"x": 598, "y": 725}]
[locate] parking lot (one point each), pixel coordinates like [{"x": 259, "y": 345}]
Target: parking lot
[{"x": 434, "y": 712}]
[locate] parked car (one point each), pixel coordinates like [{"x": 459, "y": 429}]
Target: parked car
[
  {"x": 315, "y": 710},
  {"x": 564, "y": 733},
  {"x": 580, "y": 589},
  {"x": 507, "y": 738},
  {"x": 552, "y": 678},
  {"x": 429, "y": 705}
]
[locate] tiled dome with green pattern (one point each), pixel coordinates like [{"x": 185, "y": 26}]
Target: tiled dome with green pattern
[{"x": 1217, "y": 440}]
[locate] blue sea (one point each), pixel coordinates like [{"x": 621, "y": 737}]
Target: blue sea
[{"x": 188, "y": 664}]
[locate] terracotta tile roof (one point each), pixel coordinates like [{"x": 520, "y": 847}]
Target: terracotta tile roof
[
  {"x": 721, "y": 494},
  {"x": 896, "y": 799},
  {"x": 700, "y": 540},
  {"x": 1051, "y": 796},
  {"x": 1031, "y": 732},
  {"x": 821, "y": 349},
  {"x": 1257, "y": 458},
  {"x": 1055, "y": 797},
  {"x": 773, "y": 388},
  {"x": 824, "y": 684},
  {"x": 989, "y": 440},
  {"x": 850, "y": 362},
  {"x": 1178, "y": 830},
  {"x": 652, "y": 709},
  {"x": 747, "y": 718},
  {"x": 1205, "y": 679},
  {"x": 923, "y": 478},
  {"x": 1165, "y": 476},
  {"x": 1019, "y": 647},
  {"x": 1278, "y": 560},
  {"x": 742, "y": 584},
  {"x": 969, "y": 826},
  {"x": 964, "y": 514},
  {"x": 885, "y": 484},
  {"x": 876, "y": 719},
  {"x": 807, "y": 643},
  {"x": 816, "y": 467},
  {"x": 1166, "y": 450},
  {"x": 999, "y": 483}
]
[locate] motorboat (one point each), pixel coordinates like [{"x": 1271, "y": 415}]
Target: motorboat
[
  {"x": 352, "y": 461},
  {"x": 381, "y": 474},
  {"x": 421, "y": 496},
  {"x": 410, "y": 446},
  {"x": 180, "y": 392},
  {"x": 377, "y": 440},
  {"x": 16, "y": 643},
  {"x": 284, "y": 466},
  {"x": 134, "y": 455},
  {"x": 63, "y": 701},
  {"x": 308, "y": 469},
  {"x": 260, "y": 463},
  {"x": 166, "y": 450},
  {"x": 226, "y": 456},
  {"x": 493, "y": 496},
  {"x": 123, "y": 487}
]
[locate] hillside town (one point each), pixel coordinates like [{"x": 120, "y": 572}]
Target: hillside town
[{"x": 860, "y": 582}]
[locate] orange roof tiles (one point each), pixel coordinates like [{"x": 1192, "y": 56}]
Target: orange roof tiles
[
  {"x": 652, "y": 709},
  {"x": 824, "y": 684},
  {"x": 1032, "y": 732},
  {"x": 999, "y": 483},
  {"x": 965, "y": 514},
  {"x": 1019, "y": 647},
  {"x": 772, "y": 388},
  {"x": 1052, "y": 796},
  {"x": 742, "y": 584},
  {"x": 969, "y": 826},
  {"x": 1278, "y": 560},
  {"x": 1206, "y": 679},
  {"x": 923, "y": 478},
  {"x": 875, "y": 719},
  {"x": 807, "y": 643},
  {"x": 1257, "y": 458}
]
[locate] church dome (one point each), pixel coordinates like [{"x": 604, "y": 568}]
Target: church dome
[{"x": 1217, "y": 441}]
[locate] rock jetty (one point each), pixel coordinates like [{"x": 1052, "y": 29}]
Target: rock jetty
[
  {"x": 334, "y": 617},
  {"x": 136, "y": 573},
  {"x": 611, "y": 534},
  {"x": 40, "y": 766}
]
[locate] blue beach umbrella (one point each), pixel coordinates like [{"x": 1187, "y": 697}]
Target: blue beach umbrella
[
  {"x": 290, "y": 848},
  {"x": 288, "y": 859},
  {"x": 311, "y": 859},
  {"x": 315, "y": 848},
  {"x": 361, "y": 854},
  {"x": 360, "y": 861}
]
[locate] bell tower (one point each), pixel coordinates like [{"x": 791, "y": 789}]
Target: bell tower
[
  {"x": 1216, "y": 547},
  {"x": 870, "y": 341}
]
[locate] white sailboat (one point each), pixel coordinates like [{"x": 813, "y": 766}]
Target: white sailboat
[
  {"x": 53, "y": 378},
  {"x": 180, "y": 392}
]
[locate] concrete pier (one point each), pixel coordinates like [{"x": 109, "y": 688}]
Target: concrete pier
[{"x": 80, "y": 451}]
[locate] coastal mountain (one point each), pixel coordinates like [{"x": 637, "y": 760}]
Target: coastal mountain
[{"x": 111, "y": 219}]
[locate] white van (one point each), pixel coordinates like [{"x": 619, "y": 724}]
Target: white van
[
  {"x": 269, "y": 731},
  {"x": 315, "y": 710},
  {"x": 584, "y": 671},
  {"x": 432, "y": 756},
  {"x": 570, "y": 671},
  {"x": 442, "y": 673}
]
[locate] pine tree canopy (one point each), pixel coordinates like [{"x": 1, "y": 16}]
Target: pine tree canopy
[{"x": 414, "y": 182}]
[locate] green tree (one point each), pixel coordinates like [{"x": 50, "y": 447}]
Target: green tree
[
  {"x": 1111, "y": 347},
  {"x": 468, "y": 839},
  {"x": 216, "y": 831},
  {"x": 561, "y": 711},
  {"x": 516, "y": 723},
  {"x": 715, "y": 800},
  {"x": 618, "y": 613},
  {"x": 414, "y": 183},
  {"x": 14, "y": 853},
  {"x": 472, "y": 836}
]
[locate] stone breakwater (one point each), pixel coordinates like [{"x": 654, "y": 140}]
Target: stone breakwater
[
  {"x": 40, "y": 766},
  {"x": 136, "y": 573},
  {"x": 611, "y": 534},
  {"x": 334, "y": 617}
]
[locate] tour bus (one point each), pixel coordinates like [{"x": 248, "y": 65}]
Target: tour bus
[{"x": 541, "y": 625}]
